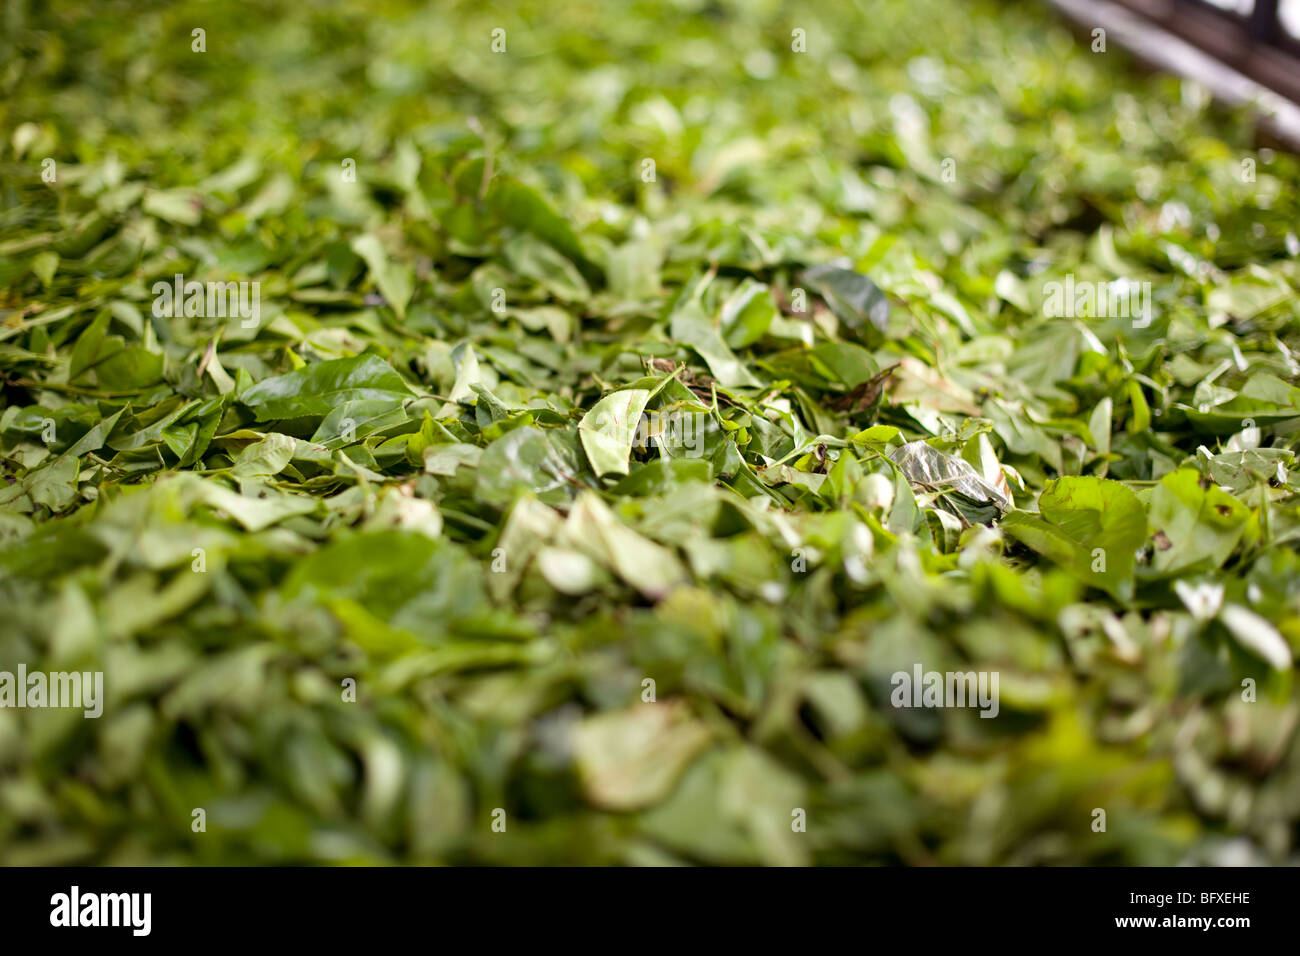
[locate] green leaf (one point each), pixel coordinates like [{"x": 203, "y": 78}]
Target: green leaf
[
  {"x": 395, "y": 282},
  {"x": 55, "y": 484},
  {"x": 632, "y": 758},
  {"x": 691, "y": 327},
  {"x": 177, "y": 205},
  {"x": 317, "y": 389},
  {"x": 544, "y": 463},
  {"x": 854, "y": 298},
  {"x": 610, "y": 427},
  {"x": 524, "y": 208},
  {"x": 1092, "y": 527},
  {"x": 353, "y": 420},
  {"x": 1257, "y": 635},
  {"x": 1194, "y": 528},
  {"x": 266, "y": 457}
]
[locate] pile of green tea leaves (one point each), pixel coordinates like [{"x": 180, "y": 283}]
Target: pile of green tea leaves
[{"x": 634, "y": 389}]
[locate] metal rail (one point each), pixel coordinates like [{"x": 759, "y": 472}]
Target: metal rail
[{"x": 1239, "y": 58}]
